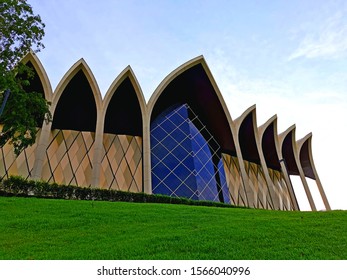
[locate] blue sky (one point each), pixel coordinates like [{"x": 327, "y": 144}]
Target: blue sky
[{"x": 287, "y": 57}]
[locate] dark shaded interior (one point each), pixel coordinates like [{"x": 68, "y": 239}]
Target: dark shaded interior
[
  {"x": 288, "y": 155},
  {"x": 247, "y": 140},
  {"x": 305, "y": 160},
  {"x": 76, "y": 109},
  {"x": 123, "y": 115},
  {"x": 35, "y": 82},
  {"x": 269, "y": 148},
  {"x": 34, "y": 86},
  {"x": 194, "y": 88}
]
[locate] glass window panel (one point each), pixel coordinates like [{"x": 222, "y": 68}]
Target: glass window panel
[{"x": 180, "y": 147}]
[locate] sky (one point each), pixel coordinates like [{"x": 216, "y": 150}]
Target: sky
[{"x": 287, "y": 57}]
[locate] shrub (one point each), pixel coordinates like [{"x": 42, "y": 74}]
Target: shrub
[{"x": 18, "y": 186}]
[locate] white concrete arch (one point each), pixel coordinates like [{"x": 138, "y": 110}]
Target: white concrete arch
[
  {"x": 289, "y": 154},
  {"x": 306, "y": 161},
  {"x": 41, "y": 72},
  {"x": 69, "y": 75}
]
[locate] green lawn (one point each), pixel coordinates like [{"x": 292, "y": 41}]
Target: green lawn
[{"x": 33, "y": 228}]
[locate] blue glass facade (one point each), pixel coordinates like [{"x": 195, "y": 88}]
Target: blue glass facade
[{"x": 185, "y": 158}]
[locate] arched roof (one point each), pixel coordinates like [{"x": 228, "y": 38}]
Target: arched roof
[
  {"x": 288, "y": 147},
  {"x": 76, "y": 100},
  {"x": 269, "y": 143},
  {"x": 247, "y": 124},
  {"x": 40, "y": 82},
  {"x": 305, "y": 155},
  {"x": 124, "y": 105},
  {"x": 193, "y": 83}
]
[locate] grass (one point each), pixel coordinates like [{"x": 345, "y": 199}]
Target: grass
[{"x": 32, "y": 228}]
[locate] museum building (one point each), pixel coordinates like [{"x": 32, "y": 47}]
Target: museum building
[{"x": 182, "y": 143}]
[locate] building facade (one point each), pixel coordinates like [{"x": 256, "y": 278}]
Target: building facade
[{"x": 183, "y": 142}]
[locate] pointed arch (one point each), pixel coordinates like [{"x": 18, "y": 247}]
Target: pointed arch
[
  {"x": 276, "y": 168},
  {"x": 308, "y": 166},
  {"x": 288, "y": 150},
  {"x": 23, "y": 165},
  {"x": 193, "y": 83},
  {"x": 269, "y": 143},
  {"x": 40, "y": 81},
  {"x": 305, "y": 155},
  {"x": 259, "y": 187},
  {"x": 69, "y": 144},
  {"x": 188, "y": 104},
  {"x": 289, "y": 155},
  {"x": 246, "y": 125},
  {"x": 76, "y": 100},
  {"x": 124, "y": 100},
  {"x": 124, "y": 113}
]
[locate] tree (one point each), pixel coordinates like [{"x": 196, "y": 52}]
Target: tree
[{"x": 20, "y": 32}]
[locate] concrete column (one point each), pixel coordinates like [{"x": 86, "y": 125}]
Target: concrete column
[
  {"x": 289, "y": 184},
  {"x": 247, "y": 192},
  {"x": 321, "y": 191},
  {"x": 41, "y": 149},
  {"x": 307, "y": 189},
  {"x": 300, "y": 143},
  {"x": 146, "y": 152},
  {"x": 98, "y": 149},
  {"x": 270, "y": 185}
]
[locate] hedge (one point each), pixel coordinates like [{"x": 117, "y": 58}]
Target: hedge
[{"x": 18, "y": 186}]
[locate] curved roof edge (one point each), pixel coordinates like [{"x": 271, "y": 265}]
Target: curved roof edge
[
  {"x": 249, "y": 145},
  {"x": 79, "y": 65},
  {"x": 284, "y": 134},
  {"x": 305, "y": 155},
  {"x": 223, "y": 112},
  {"x": 178, "y": 71},
  {"x": 265, "y": 125},
  {"x": 302, "y": 141},
  {"x": 169, "y": 78},
  {"x": 288, "y": 151},
  {"x": 238, "y": 121},
  {"x": 40, "y": 70},
  {"x": 126, "y": 73},
  {"x": 262, "y": 133},
  {"x": 308, "y": 166}
]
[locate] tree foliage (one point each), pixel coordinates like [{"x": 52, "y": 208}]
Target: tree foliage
[{"x": 20, "y": 32}]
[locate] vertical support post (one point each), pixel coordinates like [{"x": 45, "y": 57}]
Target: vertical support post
[
  {"x": 98, "y": 148},
  {"x": 284, "y": 168},
  {"x": 146, "y": 153}
]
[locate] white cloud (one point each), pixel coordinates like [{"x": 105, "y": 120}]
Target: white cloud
[{"x": 327, "y": 40}]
